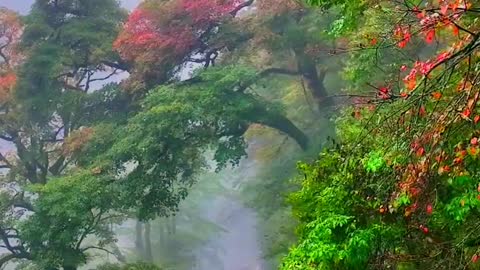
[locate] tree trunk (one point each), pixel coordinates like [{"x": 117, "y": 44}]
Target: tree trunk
[
  {"x": 139, "y": 237},
  {"x": 312, "y": 77},
  {"x": 148, "y": 243},
  {"x": 161, "y": 233}
]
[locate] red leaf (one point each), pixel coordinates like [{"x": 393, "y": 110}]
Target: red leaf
[
  {"x": 422, "y": 112},
  {"x": 444, "y": 169},
  {"x": 455, "y": 30},
  {"x": 476, "y": 119},
  {"x": 466, "y": 114},
  {"x": 475, "y": 258},
  {"x": 444, "y": 9},
  {"x": 443, "y": 56},
  {"x": 429, "y": 209},
  {"x": 436, "y": 95},
  {"x": 457, "y": 161},
  {"x": 474, "y": 141},
  {"x": 420, "y": 151},
  {"x": 430, "y": 36}
]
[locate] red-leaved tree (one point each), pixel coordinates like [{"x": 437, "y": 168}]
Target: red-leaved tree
[
  {"x": 160, "y": 36},
  {"x": 10, "y": 32}
]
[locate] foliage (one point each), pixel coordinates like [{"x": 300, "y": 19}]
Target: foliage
[
  {"x": 10, "y": 31},
  {"x": 340, "y": 225},
  {"x": 68, "y": 210},
  {"x": 177, "y": 124},
  {"x": 160, "y": 36},
  {"x": 409, "y": 154},
  {"x": 49, "y": 61}
]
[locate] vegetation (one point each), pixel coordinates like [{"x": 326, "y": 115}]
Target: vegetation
[{"x": 399, "y": 188}]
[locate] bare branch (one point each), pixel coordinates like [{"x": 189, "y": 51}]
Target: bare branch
[
  {"x": 117, "y": 65},
  {"x": 240, "y": 7},
  {"x": 106, "y": 77}
]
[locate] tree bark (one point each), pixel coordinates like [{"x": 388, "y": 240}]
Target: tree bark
[
  {"x": 312, "y": 77},
  {"x": 282, "y": 124}
]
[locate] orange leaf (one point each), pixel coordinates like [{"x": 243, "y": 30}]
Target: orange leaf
[
  {"x": 411, "y": 84},
  {"x": 455, "y": 30},
  {"x": 436, "y": 95},
  {"x": 466, "y": 114}
]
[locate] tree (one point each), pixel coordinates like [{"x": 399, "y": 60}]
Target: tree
[
  {"x": 291, "y": 29},
  {"x": 410, "y": 154},
  {"x": 159, "y": 37},
  {"x": 45, "y": 118},
  {"x": 167, "y": 139},
  {"x": 10, "y": 31}
]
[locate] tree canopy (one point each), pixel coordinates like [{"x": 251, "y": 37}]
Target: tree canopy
[{"x": 408, "y": 189}]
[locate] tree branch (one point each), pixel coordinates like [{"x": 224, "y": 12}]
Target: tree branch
[
  {"x": 281, "y": 71},
  {"x": 240, "y": 7},
  {"x": 106, "y": 77},
  {"x": 120, "y": 65},
  {"x": 21, "y": 203},
  {"x": 5, "y": 259},
  {"x": 99, "y": 248},
  {"x": 6, "y": 138}
]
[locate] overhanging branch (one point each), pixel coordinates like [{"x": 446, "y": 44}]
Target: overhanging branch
[{"x": 281, "y": 71}]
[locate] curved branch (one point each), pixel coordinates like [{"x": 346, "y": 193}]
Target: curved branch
[
  {"x": 281, "y": 123},
  {"x": 5, "y": 259},
  {"x": 240, "y": 7},
  {"x": 281, "y": 71}
]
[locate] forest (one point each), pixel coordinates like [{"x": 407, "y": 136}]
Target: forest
[{"x": 240, "y": 135}]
